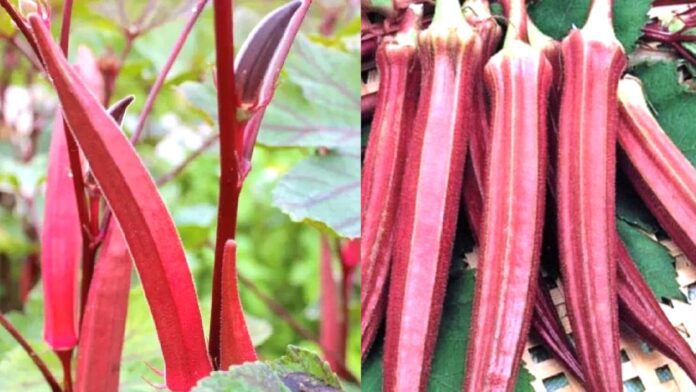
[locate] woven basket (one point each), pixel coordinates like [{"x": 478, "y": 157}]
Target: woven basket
[{"x": 643, "y": 369}]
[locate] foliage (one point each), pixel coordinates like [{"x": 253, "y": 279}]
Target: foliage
[
  {"x": 298, "y": 370},
  {"x": 674, "y": 105},
  {"x": 275, "y": 253},
  {"x": 557, "y": 17}
]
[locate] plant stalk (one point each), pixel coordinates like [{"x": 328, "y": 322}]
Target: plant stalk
[
  {"x": 231, "y": 143},
  {"x": 40, "y": 364},
  {"x": 162, "y": 77}
]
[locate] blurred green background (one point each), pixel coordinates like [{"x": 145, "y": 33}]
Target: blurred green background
[{"x": 310, "y": 137}]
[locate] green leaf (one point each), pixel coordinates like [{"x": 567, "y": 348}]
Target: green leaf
[
  {"x": 631, "y": 208},
  {"x": 385, "y": 5},
  {"x": 6, "y": 25},
  {"x": 298, "y": 360},
  {"x": 298, "y": 370},
  {"x": 674, "y": 105},
  {"x": 202, "y": 97},
  {"x": 27, "y": 177},
  {"x": 653, "y": 261},
  {"x": 373, "y": 371},
  {"x": 524, "y": 381},
  {"x": 247, "y": 378},
  {"x": 318, "y": 103},
  {"x": 324, "y": 189},
  {"x": 13, "y": 240},
  {"x": 449, "y": 361},
  {"x": 556, "y": 17}
]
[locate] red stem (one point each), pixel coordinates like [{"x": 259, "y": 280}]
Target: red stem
[
  {"x": 21, "y": 24},
  {"x": 40, "y": 364},
  {"x": 161, "y": 78},
  {"x": 79, "y": 185},
  {"x": 231, "y": 142},
  {"x": 65, "y": 26},
  {"x": 66, "y": 361},
  {"x": 89, "y": 249},
  {"x": 74, "y": 154}
]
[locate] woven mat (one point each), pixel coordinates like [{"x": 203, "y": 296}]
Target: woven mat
[{"x": 643, "y": 369}]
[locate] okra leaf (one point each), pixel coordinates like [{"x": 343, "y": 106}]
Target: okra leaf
[
  {"x": 298, "y": 370},
  {"x": 673, "y": 104},
  {"x": 373, "y": 370},
  {"x": 325, "y": 190},
  {"x": 556, "y": 17},
  {"x": 631, "y": 208},
  {"x": 202, "y": 97},
  {"x": 6, "y": 25},
  {"x": 449, "y": 361},
  {"x": 13, "y": 240},
  {"x": 653, "y": 261},
  {"x": 378, "y": 3},
  {"x": 321, "y": 107}
]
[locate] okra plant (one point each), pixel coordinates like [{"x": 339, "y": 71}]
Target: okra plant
[
  {"x": 544, "y": 109},
  {"x": 105, "y": 216}
]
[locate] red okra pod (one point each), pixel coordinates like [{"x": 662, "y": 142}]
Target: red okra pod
[
  {"x": 472, "y": 192},
  {"x": 61, "y": 242},
  {"x": 641, "y": 312},
  {"x": 638, "y": 307},
  {"x": 666, "y": 181},
  {"x": 490, "y": 32},
  {"x": 449, "y": 54},
  {"x": 333, "y": 325},
  {"x": 236, "y": 346},
  {"x": 518, "y": 80},
  {"x": 147, "y": 226},
  {"x": 661, "y": 174},
  {"x": 383, "y": 169},
  {"x": 545, "y": 320},
  {"x": 593, "y": 62},
  {"x": 104, "y": 321},
  {"x": 548, "y": 327}
]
